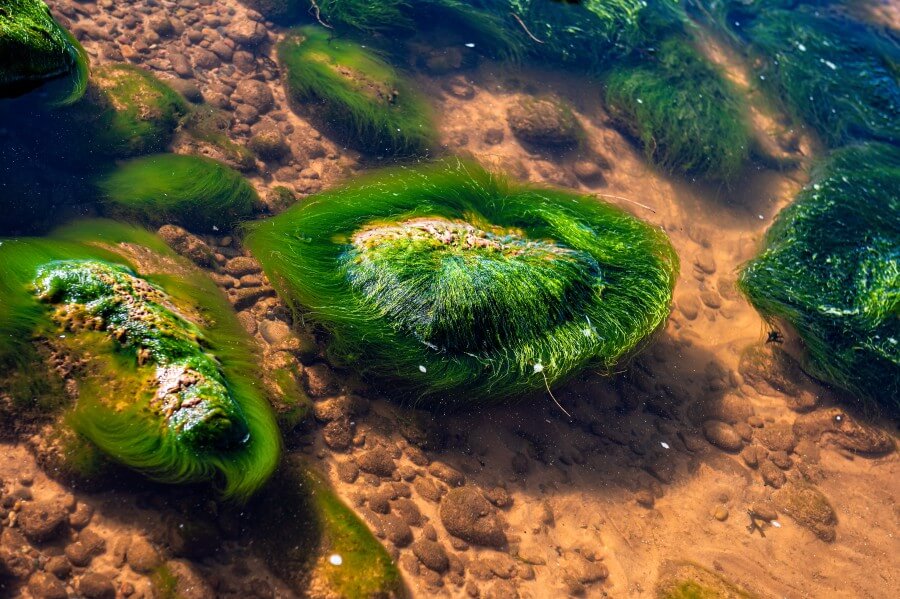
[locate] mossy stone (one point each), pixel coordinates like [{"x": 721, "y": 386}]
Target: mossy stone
[
  {"x": 832, "y": 72},
  {"x": 165, "y": 378},
  {"x": 687, "y": 117},
  {"x": 831, "y": 269},
  {"x": 195, "y": 192},
  {"x": 460, "y": 288},
  {"x": 686, "y": 580},
  {"x": 34, "y": 50},
  {"x": 129, "y": 111},
  {"x": 356, "y": 93}
]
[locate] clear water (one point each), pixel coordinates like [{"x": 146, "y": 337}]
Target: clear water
[{"x": 498, "y": 298}]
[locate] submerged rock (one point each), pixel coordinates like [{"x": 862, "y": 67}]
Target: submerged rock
[
  {"x": 356, "y": 93},
  {"x": 546, "y": 122},
  {"x": 491, "y": 291},
  {"x": 688, "y": 118},
  {"x": 466, "y": 514},
  {"x": 838, "y": 290},
  {"x": 191, "y": 191},
  {"x": 160, "y": 388},
  {"x": 34, "y": 50}
]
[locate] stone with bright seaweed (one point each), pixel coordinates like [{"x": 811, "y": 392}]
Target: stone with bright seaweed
[
  {"x": 161, "y": 369},
  {"x": 461, "y": 287}
]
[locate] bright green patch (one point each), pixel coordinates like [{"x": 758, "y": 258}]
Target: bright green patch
[
  {"x": 462, "y": 287},
  {"x": 34, "y": 49},
  {"x": 831, "y": 268},
  {"x": 357, "y": 93},
  {"x": 129, "y": 111},
  {"x": 164, "y": 372},
  {"x": 192, "y": 191},
  {"x": 311, "y": 538},
  {"x": 686, "y": 115}
]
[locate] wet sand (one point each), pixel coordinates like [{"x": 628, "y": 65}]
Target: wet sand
[{"x": 598, "y": 504}]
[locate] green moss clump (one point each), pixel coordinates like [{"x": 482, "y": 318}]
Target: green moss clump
[
  {"x": 831, "y": 268},
  {"x": 192, "y": 397},
  {"x": 356, "y": 92},
  {"x": 164, "y": 373},
  {"x": 129, "y": 111},
  {"x": 685, "y": 580},
  {"x": 34, "y": 50},
  {"x": 301, "y": 525},
  {"x": 195, "y": 192},
  {"x": 464, "y": 288},
  {"x": 837, "y": 74},
  {"x": 686, "y": 115}
]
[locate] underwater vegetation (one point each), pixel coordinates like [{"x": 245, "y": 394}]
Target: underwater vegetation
[
  {"x": 355, "y": 92},
  {"x": 686, "y": 580},
  {"x": 461, "y": 287},
  {"x": 195, "y": 192},
  {"x": 129, "y": 111},
  {"x": 50, "y": 154},
  {"x": 301, "y": 524},
  {"x": 834, "y": 73},
  {"x": 584, "y": 35},
  {"x": 164, "y": 374},
  {"x": 685, "y": 114},
  {"x": 35, "y": 49},
  {"x": 831, "y": 268}
]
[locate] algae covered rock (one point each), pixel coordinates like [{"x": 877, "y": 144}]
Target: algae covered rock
[
  {"x": 158, "y": 363},
  {"x": 316, "y": 543},
  {"x": 356, "y": 93},
  {"x": 461, "y": 287},
  {"x": 128, "y": 111},
  {"x": 837, "y": 74},
  {"x": 686, "y": 580},
  {"x": 35, "y": 49},
  {"x": 196, "y": 192},
  {"x": 686, "y": 116},
  {"x": 831, "y": 268}
]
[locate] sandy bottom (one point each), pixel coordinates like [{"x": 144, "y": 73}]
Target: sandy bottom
[{"x": 597, "y": 504}]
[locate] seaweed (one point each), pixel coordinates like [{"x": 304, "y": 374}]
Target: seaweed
[
  {"x": 312, "y": 539},
  {"x": 128, "y": 111},
  {"x": 35, "y": 50},
  {"x": 130, "y": 315},
  {"x": 686, "y": 115},
  {"x": 356, "y": 92},
  {"x": 460, "y": 287},
  {"x": 686, "y": 580},
  {"x": 831, "y": 269},
  {"x": 835, "y": 73},
  {"x": 195, "y": 192}
]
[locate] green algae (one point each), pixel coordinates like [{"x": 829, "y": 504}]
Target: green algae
[
  {"x": 460, "y": 287},
  {"x": 195, "y": 192},
  {"x": 688, "y": 118},
  {"x": 192, "y": 396},
  {"x": 129, "y": 111},
  {"x": 837, "y": 74},
  {"x": 831, "y": 268},
  {"x": 126, "y": 313},
  {"x": 35, "y": 49},
  {"x": 356, "y": 93},
  {"x": 685, "y": 580},
  {"x": 302, "y": 524}
]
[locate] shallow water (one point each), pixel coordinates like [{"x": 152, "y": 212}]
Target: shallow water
[{"x": 710, "y": 458}]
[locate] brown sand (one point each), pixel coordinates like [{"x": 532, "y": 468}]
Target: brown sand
[{"x": 592, "y": 505}]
